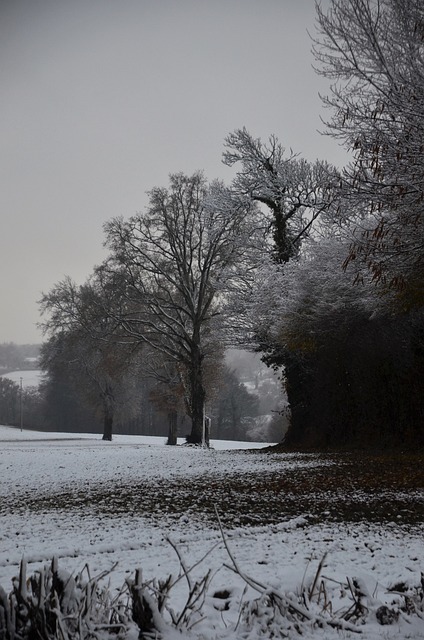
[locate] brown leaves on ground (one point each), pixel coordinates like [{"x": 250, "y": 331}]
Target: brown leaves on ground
[{"x": 337, "y": 487}]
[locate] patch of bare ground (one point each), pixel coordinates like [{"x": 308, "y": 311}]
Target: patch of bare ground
[{"x": 339, "y": 487}]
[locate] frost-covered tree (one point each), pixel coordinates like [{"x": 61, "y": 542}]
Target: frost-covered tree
[
  {"x": 294, "y": 190},
  {"x": 311, "y": 297},
  {"x": 177, "y": 265},
  {"x": 373, "y": 51},
  {"x": 296, "y": 195}
]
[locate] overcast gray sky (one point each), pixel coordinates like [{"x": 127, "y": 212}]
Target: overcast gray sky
[{"x": 102, "y": 99}]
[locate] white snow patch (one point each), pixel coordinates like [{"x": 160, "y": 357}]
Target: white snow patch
[{"x": 29, "y": 378}]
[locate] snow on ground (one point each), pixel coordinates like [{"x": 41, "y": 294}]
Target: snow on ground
[
  {"x": 54, "y": 496},
  {"x": 14, "y": 433},
  {"x": 30, "y": 378}
]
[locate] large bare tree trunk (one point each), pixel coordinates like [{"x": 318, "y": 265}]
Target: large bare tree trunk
[
  {"x": 197, "y": 397},
  {"x": 172, "y": 427},
  {"x": 108, "y": 415},
  {"x": 107, "y": 426}
]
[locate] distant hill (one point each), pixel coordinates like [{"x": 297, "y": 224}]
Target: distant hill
[{"x": 14, "y": 357}]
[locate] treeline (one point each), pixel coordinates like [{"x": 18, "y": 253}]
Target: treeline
[
  {"x": 57, "y": 403},
  {"x": 235, "y": 413},
  {"x": 319, "y": 269},
  {"x": 18, "y": 356}
]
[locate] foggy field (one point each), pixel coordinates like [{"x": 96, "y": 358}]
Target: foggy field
[{"x": 87, "y": 501}]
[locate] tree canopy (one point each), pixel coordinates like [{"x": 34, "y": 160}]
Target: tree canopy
[{"x": 373, "y": 51}]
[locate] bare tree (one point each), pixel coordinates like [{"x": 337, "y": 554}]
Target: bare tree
[{"x": 176, "y": 265}]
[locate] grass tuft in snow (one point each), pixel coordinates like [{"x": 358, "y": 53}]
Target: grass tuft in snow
[{"x": 55, "y": 605}]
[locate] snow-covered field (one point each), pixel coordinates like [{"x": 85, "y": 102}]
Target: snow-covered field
[
  {"x": 88, "y": 501},
  {"x": 30, "y": 378}
]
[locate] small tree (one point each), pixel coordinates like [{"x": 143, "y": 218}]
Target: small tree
[
  {"x": 101, "y": 364},
  {"x": 9, "y": 402}
]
